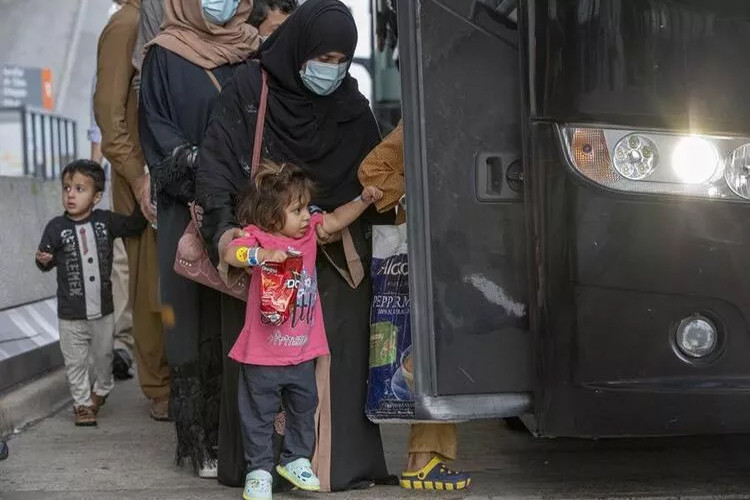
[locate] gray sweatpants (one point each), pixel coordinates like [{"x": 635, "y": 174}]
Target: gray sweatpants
[
  {"x": 261, "y": 391},
  {"x": 81, "y": 340}
]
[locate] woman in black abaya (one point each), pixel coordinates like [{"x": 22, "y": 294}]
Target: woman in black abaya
[
  {"x": 317, "y": 119},
  {"x": 184, "y": 68}
]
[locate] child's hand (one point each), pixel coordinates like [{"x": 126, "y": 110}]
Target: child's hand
[
  {"x": 43, "y": 258},
  {"x": 324, "y": 237},
  {"x": 371, "y": 194},
  {"x": 272, "y": 255}
]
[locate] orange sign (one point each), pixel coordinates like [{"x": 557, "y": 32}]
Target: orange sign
[{"x": 48, "y": 102}]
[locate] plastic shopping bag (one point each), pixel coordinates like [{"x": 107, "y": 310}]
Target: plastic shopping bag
[{"x": 391, "y": 379}]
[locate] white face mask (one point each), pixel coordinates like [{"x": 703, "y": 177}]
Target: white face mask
[{"x": 113, "y": 9}]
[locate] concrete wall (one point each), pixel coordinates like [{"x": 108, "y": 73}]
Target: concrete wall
[{"x": 27, "y": 206}]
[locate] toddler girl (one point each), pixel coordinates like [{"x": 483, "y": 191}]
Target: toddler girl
[{"x": 278, "y": 360}]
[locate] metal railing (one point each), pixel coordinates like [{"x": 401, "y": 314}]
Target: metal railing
[{"x": 45, "y": 142}]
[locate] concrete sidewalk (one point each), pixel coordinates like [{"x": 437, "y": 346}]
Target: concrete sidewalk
[{"x": 130, "y": 456}]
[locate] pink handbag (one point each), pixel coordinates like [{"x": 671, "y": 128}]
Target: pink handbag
[{"x": 191, "y": 260}]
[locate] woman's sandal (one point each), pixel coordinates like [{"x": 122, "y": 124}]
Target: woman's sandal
[{"x": 435, "y": 476}]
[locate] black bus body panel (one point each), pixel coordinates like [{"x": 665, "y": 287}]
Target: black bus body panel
[
  {"x": 467, "y": 240},
  {"x": 617, "y": 272}
]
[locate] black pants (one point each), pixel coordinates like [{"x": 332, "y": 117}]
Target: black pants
[{"x": 262, "y": 389}]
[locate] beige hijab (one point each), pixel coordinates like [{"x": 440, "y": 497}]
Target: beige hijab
[{"x": 188, "y": 34}]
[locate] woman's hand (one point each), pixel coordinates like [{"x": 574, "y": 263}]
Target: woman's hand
[
  {"x": 324, "y": 237},
  {"x": 228, "y": 236},
  {"x": 142, "y": 192}
]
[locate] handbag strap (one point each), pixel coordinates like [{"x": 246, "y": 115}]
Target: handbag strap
[
  {"x": 353, "y": 261},
  {"x": 260, "y": 123},
  {"x": 354, "y": 272},
  {"x": 213, "y": 79},
  {"x": 192, "y": 208}
]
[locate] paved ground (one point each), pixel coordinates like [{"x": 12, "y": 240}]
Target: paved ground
[{"x": 130, "y": 457}]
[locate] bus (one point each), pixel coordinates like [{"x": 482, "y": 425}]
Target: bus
[{"x": 578, "y": 177}]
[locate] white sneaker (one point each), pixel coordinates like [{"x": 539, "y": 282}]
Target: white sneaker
[
  {"x": 258, "y": 485},
  {"x": 209, "y": 469}
]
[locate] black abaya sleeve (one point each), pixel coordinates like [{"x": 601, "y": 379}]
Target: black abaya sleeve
[
  {"x": 162, "y": 140},
  {"x": 225, "y": 154}
]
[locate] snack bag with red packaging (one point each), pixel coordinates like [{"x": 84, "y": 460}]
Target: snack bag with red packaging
[{"x": 279, "y": 284}]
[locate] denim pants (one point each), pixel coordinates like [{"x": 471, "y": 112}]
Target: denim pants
[{"x": 262, "y": 389}]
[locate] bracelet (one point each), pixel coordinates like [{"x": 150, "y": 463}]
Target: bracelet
[
  {"x": 247, "y": 255},
  {"x": 252, "y": 258}
]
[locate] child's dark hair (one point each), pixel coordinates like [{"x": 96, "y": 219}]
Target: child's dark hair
[
  {"x": 274, "y": 189},
  {"x": 261, "y": 8},
  {"x": 89, "y": 168}
]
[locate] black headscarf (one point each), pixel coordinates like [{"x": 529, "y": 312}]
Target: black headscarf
[
  {"x": 306, "y": 122},
  {"x": 328, "y": 136}
]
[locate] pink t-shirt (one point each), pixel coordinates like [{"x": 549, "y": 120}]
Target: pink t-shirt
[{"x": 302, "y": 336}]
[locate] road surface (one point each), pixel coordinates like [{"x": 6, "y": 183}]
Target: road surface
[{"x": 129, "y": 456}]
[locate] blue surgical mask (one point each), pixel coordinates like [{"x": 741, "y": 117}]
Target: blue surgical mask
[
  {"x": 323, "y": 78},
  {"x": 219, "y": 11}
]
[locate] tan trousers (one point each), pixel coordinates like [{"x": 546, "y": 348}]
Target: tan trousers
[
  {"x": 153, "y": 371},
  {"x": 86, "y": 346},
  {"x": 437, "y": 438},
  {"x": 123, "y": 314}
]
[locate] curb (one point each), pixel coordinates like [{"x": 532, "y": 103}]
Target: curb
[{"x": 33, "y": 401}]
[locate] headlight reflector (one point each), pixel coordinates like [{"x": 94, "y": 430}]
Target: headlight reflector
[
  {"x": 635, "y": 157},
  {"x": 694, "y": 160},
  {"x": 737, "y": 171}
]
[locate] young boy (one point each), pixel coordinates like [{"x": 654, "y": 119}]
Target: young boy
[{"x": 79, "y": 243}]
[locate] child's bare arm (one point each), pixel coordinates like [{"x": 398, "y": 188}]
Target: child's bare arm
[
  {"x": 239, "y": 255},
  {"x": 346, "y": 214}
]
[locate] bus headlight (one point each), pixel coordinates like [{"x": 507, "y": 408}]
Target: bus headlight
[
  {"x": 703, "y": 166},
  {"x": 694, "y": 160},
  {"x": 635, "y": 157},
  {"x": 696, "y": 336},
  {"x": 737, "y": 171}
]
